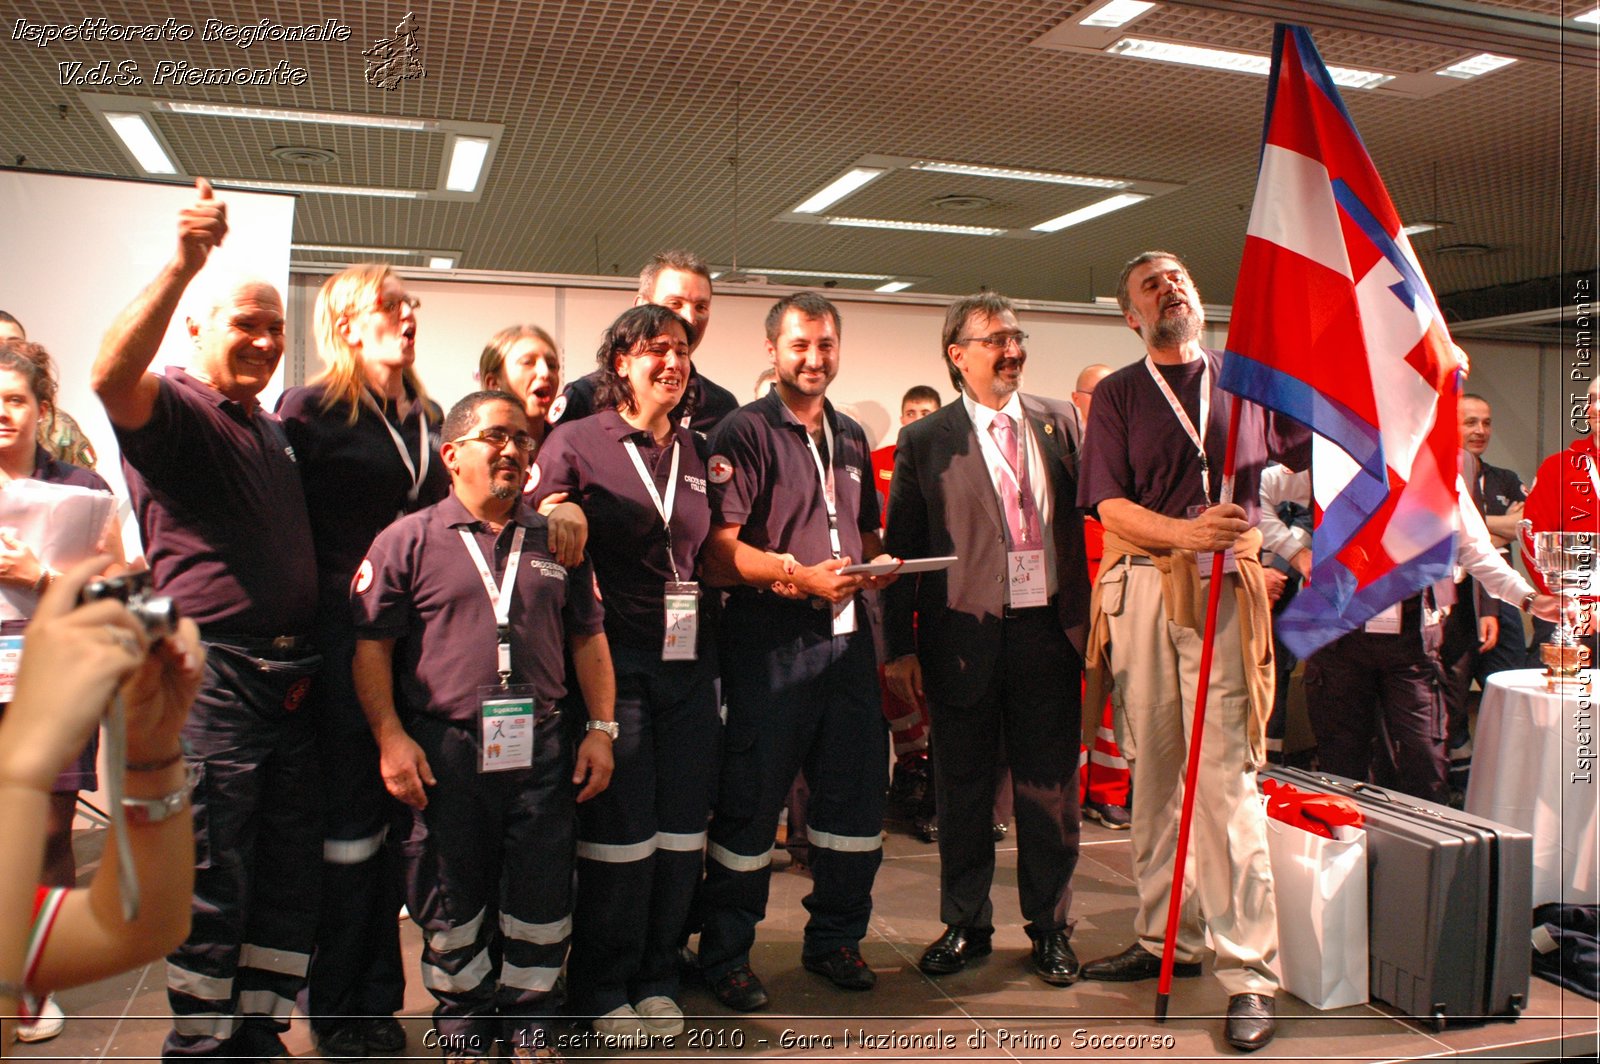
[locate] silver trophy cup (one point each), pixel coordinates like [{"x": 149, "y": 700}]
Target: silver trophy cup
[{"x": 1566, "y": 560}]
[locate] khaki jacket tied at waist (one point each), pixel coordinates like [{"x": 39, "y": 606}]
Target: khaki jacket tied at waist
[{"x": 1184, "y": 596}]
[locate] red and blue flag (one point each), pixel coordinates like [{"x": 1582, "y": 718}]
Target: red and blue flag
[{"x": 1334, "y": 325}]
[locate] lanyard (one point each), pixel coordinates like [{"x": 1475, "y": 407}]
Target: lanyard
[
  {"x": 825, "y": 478},
  {"x": 417, "y": 475},
  {"x": 1197, "y": 438},
  {"x": 662, "y": 508},
  {"x": 499, "y": 598}
]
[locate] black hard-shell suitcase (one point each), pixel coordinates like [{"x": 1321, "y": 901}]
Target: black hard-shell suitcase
[{"x": 1450, "y": 904}]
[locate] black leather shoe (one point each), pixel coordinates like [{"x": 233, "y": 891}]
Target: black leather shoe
[
  {"x": 346, "y": 1042},
  {"x": 383, "y": 1034},
  {"x": 1252, "y": 1021},
  {"x": 740, "y": 990},
  {"x": 952, "y": 950},
  {"x": 1054, "y": 960},
  {"x": 1136, "y": 963},
  {"x": 844, "y": 968},
  {"x": 928, "y": 828}
]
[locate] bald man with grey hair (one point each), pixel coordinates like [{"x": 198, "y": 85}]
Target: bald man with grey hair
[
  {"x": 1088, "y": 380},
  {"x": 217, "y": 492}
]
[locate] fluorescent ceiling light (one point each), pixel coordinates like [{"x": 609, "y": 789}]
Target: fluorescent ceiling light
[
  {"x": 819, "y": 273},
  {"x": 466, "y": 163},
  {"x": 893, "y": 286},
  {"x": 331, "y": 190},
  {"x": 1093, "y": 210},
  {"x": 916, "y": 227},
  {"x": 279, "y": 114},
  {"x": 1116, "y": 13},
  {"x": 1418, "y": 228},
  {"x": 1043, "y": 176},
  {"x": 135, "y": 132},
  {"x": 1237, "y": 62},
  {"x": 441, "y": 262},
  {"x": 331, "y": 248},
  {"x": 1591, "y": 17},
  {"x": 839, "y": 188},
  {"x": 1478, "y": 65}
]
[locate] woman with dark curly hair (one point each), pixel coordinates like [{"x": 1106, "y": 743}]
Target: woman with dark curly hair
[{"x": 641, "y": 479}]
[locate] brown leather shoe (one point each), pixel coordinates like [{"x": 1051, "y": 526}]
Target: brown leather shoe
[
  {"x": 1252, "y": 1021},
  {"x": 1133, "y": 964}
]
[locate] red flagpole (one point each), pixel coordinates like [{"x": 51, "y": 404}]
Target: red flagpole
[{"x": 1203, "y": 683}]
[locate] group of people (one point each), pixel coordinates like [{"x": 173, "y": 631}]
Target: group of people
[{"x": 562, "y": 653}]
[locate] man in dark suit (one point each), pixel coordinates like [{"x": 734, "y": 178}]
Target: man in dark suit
[{"x": 996, "y": 640}]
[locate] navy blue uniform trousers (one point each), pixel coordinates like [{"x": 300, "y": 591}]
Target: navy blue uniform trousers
[
  {"x": 798, "y": 698},
  {"x": 641, "y": 841},
  {"x": 489, "y": 883},
  {"x": 257, "y": 856},
  {"x": 356, "y": 968}
]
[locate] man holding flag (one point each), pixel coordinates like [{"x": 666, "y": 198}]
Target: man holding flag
[{"x": 1153, "y": 453}]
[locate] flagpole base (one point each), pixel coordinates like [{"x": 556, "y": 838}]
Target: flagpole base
[{"x": 1161, "y": 1007}]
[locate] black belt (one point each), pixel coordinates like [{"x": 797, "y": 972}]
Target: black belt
[{"x": 270, "y": 647}]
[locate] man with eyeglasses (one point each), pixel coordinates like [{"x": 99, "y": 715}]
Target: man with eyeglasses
[
  {"x": 995, "y": 641},
  {"x": 1153, "y": 458},
  {"x": 215, "y": 486},
  {"x": 462, "y": 619}
]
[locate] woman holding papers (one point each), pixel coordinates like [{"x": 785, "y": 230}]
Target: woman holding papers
[
  {"x": 52, "y": 516},
  {"x": 642, "y": 481}
]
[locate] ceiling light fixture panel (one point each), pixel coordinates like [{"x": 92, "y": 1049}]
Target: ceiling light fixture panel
[
  {"x": 1115, "y": 13},
  {"x": 330, "y": 190},
  {"x": 915, "y": 227},
  {"x": 282, "y": 114},
  {"x": 840, "y": 187},
  {"x": 1477, "y": 66},
  {"x": 139, "y": 137},
  {"x": 1093, "y": 210},
  {"x": 1233, "y": 62},
  {"x": 1045, "y": 177}
]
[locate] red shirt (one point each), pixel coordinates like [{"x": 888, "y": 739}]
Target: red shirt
[
  {"x": 1565, "y": 496},
  {"x": 882, "y": 474}
]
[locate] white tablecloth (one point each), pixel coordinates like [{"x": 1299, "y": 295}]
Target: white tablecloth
[{"x": 1534, "y": 768}]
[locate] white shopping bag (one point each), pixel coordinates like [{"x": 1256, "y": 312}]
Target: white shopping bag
[{"x": 1321, "y": 887}]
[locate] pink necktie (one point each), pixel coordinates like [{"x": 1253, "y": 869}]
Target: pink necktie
[{"x": 1016, "y": 497}]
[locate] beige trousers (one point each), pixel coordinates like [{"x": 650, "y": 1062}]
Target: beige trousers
[{"x": 1227, "y": 879}]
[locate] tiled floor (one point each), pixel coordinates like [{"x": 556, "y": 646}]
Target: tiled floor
[{"x": 995, "y": 1010}]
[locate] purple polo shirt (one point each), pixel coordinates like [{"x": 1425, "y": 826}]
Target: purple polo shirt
[
  {"x": 221, "y": 512},
  {"x": 355, "y": 481},
  {"x": 763, "y": 477},
  {"x": 419, "y": 585},
  {"x": 628, "y": 543},
  {"x": 1136, "y": 449}
]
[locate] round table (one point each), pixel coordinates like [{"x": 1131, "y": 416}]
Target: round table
[{"x": 1534, "y": 768}]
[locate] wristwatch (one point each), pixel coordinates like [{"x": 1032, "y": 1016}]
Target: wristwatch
[
  {"x": 610, "y": 727},
  {"x": 155, "y": 810},
  {"x": 1527, "y": 602}
]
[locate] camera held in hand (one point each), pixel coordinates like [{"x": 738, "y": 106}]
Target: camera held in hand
[{"x": 157, "y": 613}]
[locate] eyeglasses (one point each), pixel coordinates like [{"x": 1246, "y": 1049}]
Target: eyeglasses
[
  {"x": 392, "y": 306},
  {"x": 497, "y": 437},
  {"x": 997, "y": 342},
  {"x": 662, "y": 350}
]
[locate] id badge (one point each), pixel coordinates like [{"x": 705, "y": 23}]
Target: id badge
[
  {"x": 506, "y": 719},
  {"x": 1203, "y": 558},
  {"x": 844, "y": 616},
  {"x": 1385, "y": 623},
  {"x": 1025, "y": 578},
  {"x": 10, "y": 659},
  {"x": 681, "y": 602}
]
